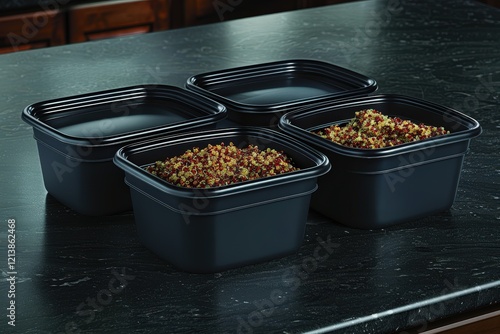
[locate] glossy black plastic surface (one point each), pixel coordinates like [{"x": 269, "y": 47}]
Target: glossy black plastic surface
[
  {"x": 260, "y": 94},
  {"x": 209, "y": 230},
  {"x": 78, "y": 136},
  {"x": 375, "y": 188}
]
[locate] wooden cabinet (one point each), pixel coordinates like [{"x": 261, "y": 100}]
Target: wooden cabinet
[
  {"x": 80, "y": 23},
  {"x": 117, "y": 18},
  {"x": 32, "y": 30},
  {"x": 98, "y": 19},
  {"x": 196, "y": 12},
  {"x": 316, "y": 3},
  {"x": 494, "y": 3},
  {"x": 477, "y": 322},
  {"x": 209, "y": 11}
]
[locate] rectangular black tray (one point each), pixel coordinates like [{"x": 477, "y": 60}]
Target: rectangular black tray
[
  {"x": 78, "y": 136},
  {"x": 260, "y": 94},
  {"x": 375, "y": 188},
  {"x": 213, "y": 229}
]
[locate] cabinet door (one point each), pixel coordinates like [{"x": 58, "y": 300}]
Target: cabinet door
[
  {"x": 209, "y": 11},
  {"x": 480, "y": 323},
  {"x": 117, "y": 18},
  {"x": 494, "y": 3},
  {"x": 32, "y": 30},
  {"x": 316, "y": 3}
]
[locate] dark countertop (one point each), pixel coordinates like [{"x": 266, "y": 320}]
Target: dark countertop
[{"x": 382, "y": 281}]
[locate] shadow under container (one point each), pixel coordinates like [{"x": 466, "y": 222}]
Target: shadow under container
[
  {"x": 78, "y": 136},
  {"x": 213, "y": 229},
  {"x": 376, "y": 188},
  {"x": 258, "y": 95}
]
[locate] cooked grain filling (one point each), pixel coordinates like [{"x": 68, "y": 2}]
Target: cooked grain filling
[{"x": 370, "y": 129}]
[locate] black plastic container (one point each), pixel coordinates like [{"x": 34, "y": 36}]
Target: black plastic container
[
  {"x": 78, "y": 136},
  {"x": 260, "y": 94},
  {"x": 209, "y": 230},
  {"x": 375, "y": 188}
]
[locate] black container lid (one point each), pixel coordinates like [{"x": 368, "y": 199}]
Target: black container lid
[
  {"x": 265, "y": 89},
  {"x": 104, "y": 121}
]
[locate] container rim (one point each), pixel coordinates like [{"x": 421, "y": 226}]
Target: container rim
[
  {"x": 365, "y": 85},
  {"x": 321, "y": 162},
  {"x": 214, "y": 111},
  {"x": 286, "y": 123},
  {"x": 220, "y": 211}
]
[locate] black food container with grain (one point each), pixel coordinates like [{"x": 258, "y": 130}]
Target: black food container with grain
[
  {"x": 214, "y": 229},
  {"x": 258, "y": 95},
  {"x": 78, "y": 136},
  {"x": 376, "y": 188}
]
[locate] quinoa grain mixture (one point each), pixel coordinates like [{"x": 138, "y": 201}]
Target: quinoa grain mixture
[
  {"x": 220, "y": 165},
  {"x": 370, "y": 129}
]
